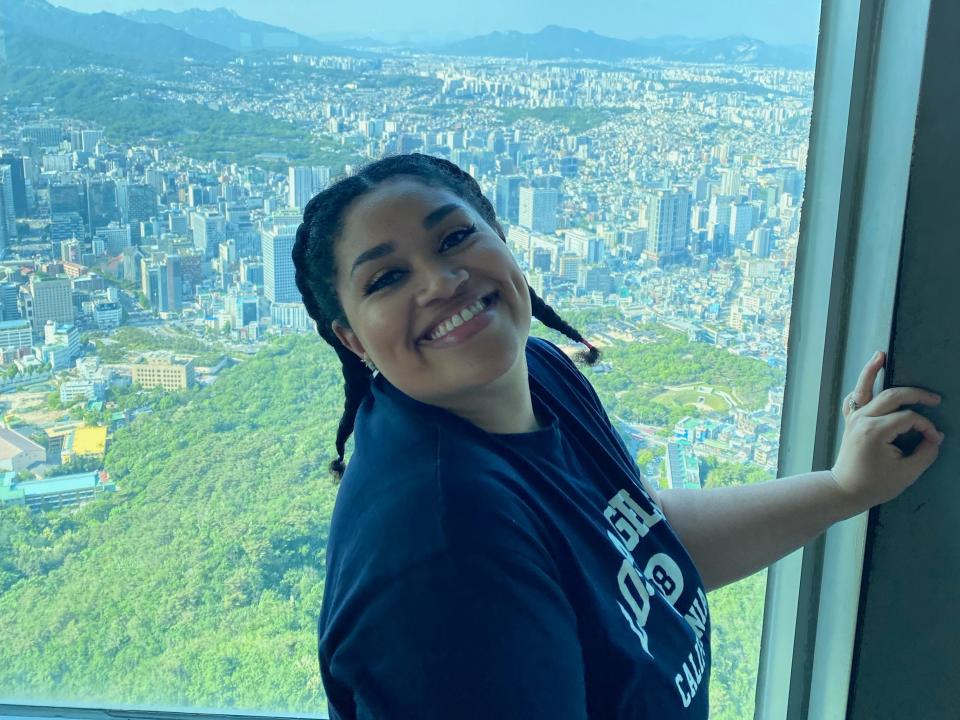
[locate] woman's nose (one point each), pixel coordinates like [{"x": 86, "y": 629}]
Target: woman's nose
[{"x": 443, "y": 282}]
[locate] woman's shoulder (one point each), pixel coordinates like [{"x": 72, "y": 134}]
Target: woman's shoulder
[
  {"x": 444, "y": 496},
  {"x": 554, "y": 369}
]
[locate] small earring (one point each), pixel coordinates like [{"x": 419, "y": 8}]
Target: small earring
[{"x": 369, "y": 363}]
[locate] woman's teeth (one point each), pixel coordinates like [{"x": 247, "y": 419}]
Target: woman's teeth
[{"x": 459, "y": 319}]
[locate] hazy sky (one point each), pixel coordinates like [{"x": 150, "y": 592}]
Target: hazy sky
[{"x": 774, "y": 21}]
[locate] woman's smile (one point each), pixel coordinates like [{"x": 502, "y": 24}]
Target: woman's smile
[{"x": 465, "y": 329}]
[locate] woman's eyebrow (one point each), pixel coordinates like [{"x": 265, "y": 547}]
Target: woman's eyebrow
[
  {"x": 439, "y": 214},
  {"x": 432, "y": 219}
]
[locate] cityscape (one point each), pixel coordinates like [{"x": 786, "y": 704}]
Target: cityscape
[{"x": 146, "y": 257}]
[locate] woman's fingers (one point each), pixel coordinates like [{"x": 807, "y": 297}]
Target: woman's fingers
[
  {"x": 893, "y": 399},
  {"x": 924, "y": 454},
  {"x": 899, "y": 422},
  {"x": 863, "y": 392}
]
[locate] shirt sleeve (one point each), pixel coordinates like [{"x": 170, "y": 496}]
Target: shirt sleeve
[
  {"x": 576, "y": 377},
  {"x": 465, "y": 635}
]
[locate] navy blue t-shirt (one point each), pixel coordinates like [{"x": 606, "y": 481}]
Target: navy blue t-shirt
[{"x": 506, "y": 576}]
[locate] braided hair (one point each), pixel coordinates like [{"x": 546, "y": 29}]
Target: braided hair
[{"x": 314, "y": 262}]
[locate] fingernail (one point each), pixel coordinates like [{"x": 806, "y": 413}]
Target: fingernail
[
  {"x": 876, "y": 356},
  {"x": 941, "y": 436}
]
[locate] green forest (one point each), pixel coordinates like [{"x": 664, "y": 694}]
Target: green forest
[
  {"x": 198, "y": 584},
  {"x": 129, "y": 114}
]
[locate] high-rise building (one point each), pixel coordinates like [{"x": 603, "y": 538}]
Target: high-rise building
[
  {"x": 719, "y": 210},
  {"x": 759, "y": 239},
  {"x": 9, "y": 308},
  {"x": 577, "y": 241},
  {"x": 52, "y": 299},
  {"x": 251, "y": 271},
  {"x": 730, "y": 181},
  {"x": 742, "y": 216},
  {"x": 42, "y": 135},
  {"x": 538, "y": 208},
  {"x": 8, "y": 220},
  {"x": 150, "y": 281},
  {"x": 668, "y": 226},
  {"x": 66, "y": 226},
  {"x": 169, "y": 284},
  {"x": 115, "y": 238},
  {"x": 209, "y": 230},
  {"x": 570, "y": 266},
  {"x": 68, "y": 197},
  {"x": 136, "y": 202},
  {"x": 102, "y": 208},
  {"x": 305, "y": 182},
  {"x": 89, "y": 139},
  {"x": 507, "y": 197},
  {"x": 279, "y": 285},
  {"x": 18, "y": 179}
]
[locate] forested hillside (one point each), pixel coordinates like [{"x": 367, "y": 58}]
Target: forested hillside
[{"x": 198, "y": 584}]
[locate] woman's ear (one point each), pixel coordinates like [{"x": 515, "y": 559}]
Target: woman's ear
[{"x": 348, "y": 338}]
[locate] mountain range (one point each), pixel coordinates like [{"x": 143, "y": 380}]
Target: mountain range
[
  {"x": 227, "y": 28},
  {"x": 555, "y": 42},
  {"x": 40, "y": 33}
]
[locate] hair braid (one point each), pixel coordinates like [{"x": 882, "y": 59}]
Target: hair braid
[{"x": 548, "y": 316}]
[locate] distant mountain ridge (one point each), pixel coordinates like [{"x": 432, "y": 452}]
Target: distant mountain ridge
[
  {"x": 31, "y": 24},
  {"x": 554, "y": 42},
  {"x": 40, "y": 33},
  {"x": 225, "y": 27}
]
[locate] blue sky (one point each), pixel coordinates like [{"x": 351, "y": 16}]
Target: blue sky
[{"x": 774, "y": 21}]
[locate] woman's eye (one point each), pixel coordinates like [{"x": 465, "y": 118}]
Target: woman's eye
[
  {"x": 461, "y": 235},
  {"x": 376, "y": 284}
]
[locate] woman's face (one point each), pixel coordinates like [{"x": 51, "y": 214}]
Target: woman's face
[{"x": 411, "y": 257}]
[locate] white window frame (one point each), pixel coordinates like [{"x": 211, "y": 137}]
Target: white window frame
[{"x": 867, "y": 84}]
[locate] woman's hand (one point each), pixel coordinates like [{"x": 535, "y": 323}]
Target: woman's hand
[{"x": 870, "y": 469}]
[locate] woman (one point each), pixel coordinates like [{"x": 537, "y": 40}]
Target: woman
[{"x": 494, "y": 551}]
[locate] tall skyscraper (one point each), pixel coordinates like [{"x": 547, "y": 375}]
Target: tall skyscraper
[
  {"x": 668, "y": 226},
  {"x": 8, "y": 220},
  {"x": 538, "y": 208},
  {"x": 170, "y": 284},
  {"x": 278, "y": 271},
  {"x": 507, "y": 198},
  {"x": 730, "y": 181},
  {"x": 305, "y": 182},
  {"x": 19, "y": 183},
  {"x": 759, "y": 240},
  {"x": 742, "y": 216}
]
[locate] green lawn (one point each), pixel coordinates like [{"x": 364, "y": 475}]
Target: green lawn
[{"x": 692, "y": 397}]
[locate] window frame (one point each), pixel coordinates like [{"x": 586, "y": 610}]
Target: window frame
[
  {"x": 866, "y": 91},
  {"x": 866, "y": 94}
]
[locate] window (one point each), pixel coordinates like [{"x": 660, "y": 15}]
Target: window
[{"x": 154, "y": 166}]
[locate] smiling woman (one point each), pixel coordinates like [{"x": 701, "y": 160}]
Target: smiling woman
[{"x": 472, "y": 551}]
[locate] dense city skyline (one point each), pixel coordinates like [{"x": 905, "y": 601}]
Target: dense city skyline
[
  {"x": 788, "y": 22},
  {"x": 167, "y": 408}
]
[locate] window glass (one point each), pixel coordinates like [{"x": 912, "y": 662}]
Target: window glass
[{"x": 168, "y": 412}]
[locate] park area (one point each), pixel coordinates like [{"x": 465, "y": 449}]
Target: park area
[{"x": 703, "y": 397}]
